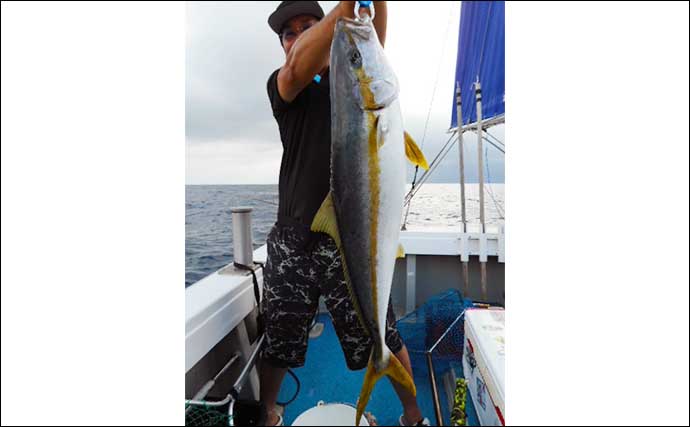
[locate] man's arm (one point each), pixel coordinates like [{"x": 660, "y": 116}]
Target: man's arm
[
  {"x": 310, "y": 53},
  {"x": 380, "y": 19}
]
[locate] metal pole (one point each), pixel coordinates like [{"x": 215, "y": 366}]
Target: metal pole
[
  {"x": 211, "y": 383},
  {"x": 466, "y": 276},
  {"x": 237, "y": 387},
  {"x": 485, "y": 296},
  {"x": 480, "y": 158},
  {"x": 480, "y": 166},
  {"x": 434, "y": 390},
  {"x": 448, "y": 329},
  {"x": 461, "y": 150},
  {"x": 201, "y": 394},
  {"x": 458, "y": 103},
  {"x": 242, "y": 235},
  {"x": 227, "y": 399},
  {"x": 239, "y": 384}
]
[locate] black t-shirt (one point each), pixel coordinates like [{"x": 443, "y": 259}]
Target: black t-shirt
[{"x": 305, "y": 131}]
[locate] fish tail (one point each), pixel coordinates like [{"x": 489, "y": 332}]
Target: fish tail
[
  {"x": 399, "y": 374},
  {"x": 395, "y": 370}
]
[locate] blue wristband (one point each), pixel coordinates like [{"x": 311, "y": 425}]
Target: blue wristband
[{"x": 365, "y": 3}]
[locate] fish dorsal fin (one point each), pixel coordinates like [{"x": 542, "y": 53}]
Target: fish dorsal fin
[
  {"x": 414, "y": 154},
  {"x": 401, "y": 252},
  {"x": 325, "y": 220}
]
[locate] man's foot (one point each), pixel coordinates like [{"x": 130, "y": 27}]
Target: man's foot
[
  {"x": 274, "y": 419},
  {"x": 422, "y": 422},
  {"x": 371, "y": 419}
]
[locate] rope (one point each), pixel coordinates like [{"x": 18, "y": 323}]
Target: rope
[
  {"x": 434, "y": 164},
  {"x": 257, "y": 295},
  {"x": 425, "y": 177},
  {"x": 498, "y": 141},
  {"x": 488, "y": 171},
  {"x": 488, "y": 187},
  {"x": 260, "y": 323},
  {"x": 502, "y": 150},
  {"x": 294, "y": 396}
]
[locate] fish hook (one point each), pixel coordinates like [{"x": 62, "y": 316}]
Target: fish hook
[{"x": 360, "y": 4}]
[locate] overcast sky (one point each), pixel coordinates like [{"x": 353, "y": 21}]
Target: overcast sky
[{"x": 231, "y": 135}]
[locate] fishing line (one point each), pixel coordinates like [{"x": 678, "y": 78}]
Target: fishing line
[
  {"x": 263, "y": 201},
  {"x": 501, "y": 213},
  {"x": 498, "y": 141},
  {"x": 432, "y": 167},
  {"x": 428, "y": 114},
  {"x": 438, "y": 72}
]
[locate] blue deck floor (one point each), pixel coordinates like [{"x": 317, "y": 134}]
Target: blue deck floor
[{"x": 325, "y": 376}]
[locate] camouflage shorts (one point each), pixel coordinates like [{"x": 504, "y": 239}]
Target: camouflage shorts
[{"x": 298, "y": 270}]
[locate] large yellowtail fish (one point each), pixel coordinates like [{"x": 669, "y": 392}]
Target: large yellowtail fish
[{"x": 363, "y": 210}]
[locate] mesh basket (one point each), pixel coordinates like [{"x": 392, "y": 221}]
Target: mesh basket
[
  {"x": 427, "y": 324},
  {"x": 196, "y": 415},
  {"x": 433, "y": 324}
]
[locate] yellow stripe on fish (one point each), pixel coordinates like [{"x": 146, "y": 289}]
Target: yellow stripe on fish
[{"x": 374, "y": 172}]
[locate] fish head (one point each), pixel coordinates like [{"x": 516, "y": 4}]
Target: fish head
[{"x": 359, "y": 64}]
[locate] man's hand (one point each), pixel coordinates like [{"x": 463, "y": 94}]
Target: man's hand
[
  {"x": 309, "y": 54},
  {"x": 380, "y": 19}
]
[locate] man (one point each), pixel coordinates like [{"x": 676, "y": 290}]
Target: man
[{"x": 303, "y": 265}]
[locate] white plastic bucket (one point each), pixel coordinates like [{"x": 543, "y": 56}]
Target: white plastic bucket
[{"x": 329, "y": 414}]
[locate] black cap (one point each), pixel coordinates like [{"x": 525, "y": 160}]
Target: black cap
[{"x": 289, "y": 9}]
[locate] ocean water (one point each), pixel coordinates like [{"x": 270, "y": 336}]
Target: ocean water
[
  {"x": 208, "y": 217},
  {"x": 208, "y": 223},
  {"x": 438, "y": 206}
]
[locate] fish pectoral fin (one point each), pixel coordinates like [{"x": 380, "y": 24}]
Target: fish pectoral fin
[
  {"x": 414, "y": 154},
  {"x": 401, "y": 251},
  {"x": 395, "y": 370},
  {"x": 325, "y": 220}
]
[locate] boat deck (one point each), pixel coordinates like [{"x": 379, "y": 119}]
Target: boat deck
[
  {"x": 218, "y": 305},
  {"x": 325, "y": 377}
]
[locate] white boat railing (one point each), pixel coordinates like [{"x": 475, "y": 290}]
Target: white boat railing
[{"x": 219, "y": 303}]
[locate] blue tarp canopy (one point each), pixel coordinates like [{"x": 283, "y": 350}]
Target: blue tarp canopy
[{"x": 481, "y": 55}]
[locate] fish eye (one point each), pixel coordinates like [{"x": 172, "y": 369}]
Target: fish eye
[{"x": 356, "y": 58}]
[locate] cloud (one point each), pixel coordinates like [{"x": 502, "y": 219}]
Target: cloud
[
  {"x": 230, "y": 54},
  {"x": 234, "y": 162},
  {"x": 231, "y": 51}
]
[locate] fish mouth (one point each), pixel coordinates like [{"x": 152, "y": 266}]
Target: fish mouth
[
  {"x": 386, "y": 90},
  {"x": 376, "y": 107}
]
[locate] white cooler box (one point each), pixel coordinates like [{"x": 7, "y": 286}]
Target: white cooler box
[{"x": 484, "y": 363}]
